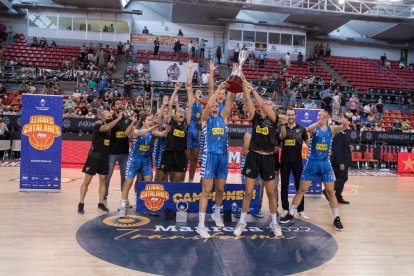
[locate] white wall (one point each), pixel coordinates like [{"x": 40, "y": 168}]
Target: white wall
[{"x": 19, "y": 23}]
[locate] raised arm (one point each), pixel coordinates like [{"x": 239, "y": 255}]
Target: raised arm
[
  {"x": 190, "y": 95},
  {"x": 343, "y": 126},
  {"x": 131, "y": 126},
  {"x": 250, "y": 107},
  {"x": 282, "y": 123},
  {"x": 211, "y": 79},
  {"x": 312, "y": 128},
  {"x": 106, "y": 127},
  {"x": 190, "y": 66},
  {"x": 142, "y": 131},
  {"x": 171, "y": 102},
  {"x": 246, "y": 142},
  {"x": 259, "y": 100},
  {"x": 227, "y": 107}
]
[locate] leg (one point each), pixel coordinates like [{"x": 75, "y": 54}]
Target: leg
[
  {"x": 330, "y": 192},
  {"x": 270, "y": 191},
  {"x": 248, "y": 195},
  {"x": 84, "y": 187},
  {"x": 102, "y": 187},
  {"x": 341, "y": 178},
  {"x": 303, "y": 187},
  {"x": 122, "y": 162},
  {"x": 126, "y": 187},
  {"x": 284, "y": 174},
  {"x": 193, "y": 162},
  {"x": 297, "y": 171},
  {"x": 111, "y": 166},
  {"x": 207, "y": 185},
  {"x": 219, "y": 188}
]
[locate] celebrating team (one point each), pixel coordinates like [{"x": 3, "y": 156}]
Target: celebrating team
[{"x": 169, "y": 141}]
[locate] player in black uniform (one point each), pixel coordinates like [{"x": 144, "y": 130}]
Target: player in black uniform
[{"x": 97, "y": 162}]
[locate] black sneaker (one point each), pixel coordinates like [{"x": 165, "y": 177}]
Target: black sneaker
[
  {"x": 341, "y": 200},
  {"x": 286, "y": 218},
  {"x": 102, "y": 207},
  {"x": 80, "y": 208},
  {"x": 337, "y": 224}
]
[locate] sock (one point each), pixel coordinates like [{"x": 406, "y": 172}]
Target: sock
[
  {"x": 293, "y": 209},
  {"x": 201, "y": 218},
  {"x": 335, "y": 212},
  {"x": 243, "y": 217},
  {"x": 217, "y": 210},
  {"x": 274, "y": 218},
  {"x": 123, "y": 203}
]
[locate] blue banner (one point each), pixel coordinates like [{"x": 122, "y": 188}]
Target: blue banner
[
  {"x": 41, "y": 142},
  {"x": 306, "y": 117},
  {"x": 159, "y": 196}
]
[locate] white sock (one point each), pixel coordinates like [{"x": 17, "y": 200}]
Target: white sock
[
  {"x": 243, "y": 217},
  {"x": 335, "y": 212},
  {"x": 217, "y": 210},
  {"x": 123, "y": 203},
  {"x": 201, "y": 218},
  {"x": 274, "y": 218},
  {"x": 293, "y": 209}
]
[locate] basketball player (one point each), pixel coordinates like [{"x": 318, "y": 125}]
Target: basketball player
[
  {"x": 291, "y": 159},
  {"x": 174, "y": 160},
  {"x": 222, "y": 94},
  {"x": 97, "y": 162},
  {"x": 260, "y": 159},
  {"x": 214, "y": 167},
  {"x": 193, "y": 136},
  {"x": 161, "y": 143},
  {"x": 319, "y": 165},
  {"x": 139, "y": 159}
]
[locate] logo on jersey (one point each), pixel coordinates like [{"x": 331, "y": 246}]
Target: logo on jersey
[
  {"x": 173, "y": 72},
  {"x": 120, "y": 134},
  {"x": 179, "y": 133},
  {"x": 218, "y": 131},
  {"x": 290, "y": 143},
  {"x": 106, "y": 142},
  {"x": 144, "y": 148},
  {"x": 154, "y": 196},
  {"x": 321, "y": 146},
  {"x": 198, "y": 115},
  {"x": 41, "y": 131},
  {"x": 262, "y": 130}
]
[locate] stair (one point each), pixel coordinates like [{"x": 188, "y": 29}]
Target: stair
[
  {"x": 224, "y": 71},
  {"x": 120, "y": 68},
  {"x": 334, "y": 74}
]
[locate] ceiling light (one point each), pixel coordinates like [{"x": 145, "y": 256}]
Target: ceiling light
[{"x": 340, "y": 2}]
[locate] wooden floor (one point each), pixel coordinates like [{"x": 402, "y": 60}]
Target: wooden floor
[{"x": 38, "y": 230}]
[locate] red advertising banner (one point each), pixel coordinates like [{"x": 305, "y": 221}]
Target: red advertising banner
[
  {"x": 163, "y": 39},
  {"x": 405, "y": 162}
]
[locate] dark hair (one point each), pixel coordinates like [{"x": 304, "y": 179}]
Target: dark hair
[
  {"x": 114, "y": 101},
  {"x": 291, "y": 108},
  {"x": 143, "y": 118}
]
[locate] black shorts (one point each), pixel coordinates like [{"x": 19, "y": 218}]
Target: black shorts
[
  {"x": 95, "y": 166},
  {"x": 257, "y": 163},
  {"x": 173, "y": 161}
]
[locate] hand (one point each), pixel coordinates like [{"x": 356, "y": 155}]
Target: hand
[
  {"x": 120, "y": 115},
  {"x": 134, "y": 118},
  {"x": 247, "y": 85},
  {"x": 223, "y": 85},
  {"x": 351, "y": 147},
  {"x": 155, "y": 126},
  {"x": 341, "y": 167},
  {"x": 282, "y": 119},
  {"x": 189, "y": 87},
  {"x": 177, "y": 86},
  {"x": 190, "y": 64},
  {"x": 212, "y": 66},
  {"x": 165, "y": 100},
  {"x": 345, "y": 122}
]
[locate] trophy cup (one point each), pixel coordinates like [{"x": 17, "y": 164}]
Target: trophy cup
[
  {"x": 182, "y": 207},
  {"x": 235, "y": 79}
]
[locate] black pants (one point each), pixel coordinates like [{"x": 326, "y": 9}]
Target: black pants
[
  {"x": 296, "y": 168},
  {"x": 341, "y": 178},
  {"x": 202, "y": 52}
]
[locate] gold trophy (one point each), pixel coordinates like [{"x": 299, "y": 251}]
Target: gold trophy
[{"x": 235, "y": 79}]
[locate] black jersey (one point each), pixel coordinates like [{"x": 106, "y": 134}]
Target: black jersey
[
  {"x": 119, "y": 140},
  {"x": 100, "y": 144},
  {"x": 177, "y": 137},
  {"x": 263, "y": 134},
  {"x": 292, "y": 144}
]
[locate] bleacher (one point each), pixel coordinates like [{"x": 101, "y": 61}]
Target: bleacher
[
  {"x": 391, "y": 115},
  {"x": 407, "y": 75}
]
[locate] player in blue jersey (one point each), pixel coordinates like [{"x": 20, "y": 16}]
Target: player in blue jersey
[
  {"x": 161, "y": 142},
  {"x": 214, "y": 166},
  {"x": 139, "y": 158},
  {"x": 193, "y": 135},
  {"x": 319, "y": 165}
]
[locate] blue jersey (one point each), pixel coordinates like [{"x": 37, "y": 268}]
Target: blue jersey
[
  {"x": 195, "y": 116},
  {"x": 215, "y": 134},
  {"x": 320, "y": 144},
  {"x": 221, "y": 107},
  {"x": 159, "y": 148},
  {"x": 141, "y": 146}
]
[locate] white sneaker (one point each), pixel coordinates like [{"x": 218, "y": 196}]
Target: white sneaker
[
  {"x": 239, "y": 228},
  {"x": 105, "y": 202},
  {"x": 276, "y": 229},
  {"x": 128, "y": 205},
  {"x": 203, "y": 232},
  {"x": 218, "y": 220},
  {"x": 284, "y": 213},
  {"x": 302, "y": 215},
  {"x": 122, "y": 212}
]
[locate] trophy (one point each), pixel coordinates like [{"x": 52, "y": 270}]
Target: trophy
[
  {"x": 235, "y": 79},
  {"x": 182, "y": 207}
]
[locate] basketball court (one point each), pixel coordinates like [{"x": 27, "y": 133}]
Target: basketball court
[{"x": 42, "y": 234}]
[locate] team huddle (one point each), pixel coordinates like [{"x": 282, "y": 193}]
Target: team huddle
[{"x": 173, "y": 137}]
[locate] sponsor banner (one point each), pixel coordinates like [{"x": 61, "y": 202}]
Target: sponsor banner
[
  {"x": 41, "y": 142},
  {"x": 371, "y": 173},
  {"x": 169, "y": 70},
  {"x": 283, "y": 49},
  {"x": 78, "y": 123},
  {"x": 250, "y": 46},
  {"x": 163, "y": 39},
  {"x": 389, "y": 137},
  {"x": 159, "y": 196},
  {"x": 233, "y": 43},
  {"x": 405, "y": 162},
  {"x": 272, "y": 48},
  {"x": 306, "y": 117}
]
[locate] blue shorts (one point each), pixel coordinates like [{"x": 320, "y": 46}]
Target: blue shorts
[
  {"x": 159, "y": 151},
  {"x": 215, "y": 166},
  {"x": 193, "y": 138},
  {"x": 141, "y": 165},
  {"x": 321, "y": 168}
]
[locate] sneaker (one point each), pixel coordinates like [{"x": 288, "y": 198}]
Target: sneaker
[
  {"x": 80, "y": 208},
  {"x": 337, "y": 224},
  {"x": 284, "y": 213},
  {"x": 276, "y": 229},
  {"x": 128, "y": 205},
  {"x": 239, "y": 228},
  {"x": 122, "y": 212},
  {"x": 218, "y": 220},
  {"x": 286, "y": 219},
  {"x": 203, "y": 232},
  {"x": 341, "y": 200},
  {"x": 105, "y": 202},
  {"x": 302, "y": 215},
  {"x": 102, "y": 207},
  {"x": 259, "y": 215},
  {"x": 155, "y": 214}
]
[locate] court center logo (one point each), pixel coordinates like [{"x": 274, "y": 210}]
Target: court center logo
[
  {"x": 154, "y": 245},
  {"x": 41, "y": 131},
  {"x": 154, "y": 196}
]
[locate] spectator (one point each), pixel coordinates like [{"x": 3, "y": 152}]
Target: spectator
[
  {"x": 127, "y": 48},
  {"x": 312, "y": 66},
  {"x": 383, "y": 59},
  {"x": 367, "y": 108},
  {"x": 127, "y": 88},
  {"x": 180, "y": 33},
  {"x": 252, "y": 58},
  {"x": 53, "y": 45},
  {"x": 387, "y": 63},
  {"x": 300, "y": 60},
  {"x": 262, "y": 57},
  {"x": 191, "y": 49},
  {"x": 1, "y": 56},
  {"x": 35, "y": 42},
  {"x": 43, "y": 43},
  {"x": 145, "y": 30},
  {"x": 202, "y": 48},
  {"x": 3, "y": 91},
  {"x": 311, "y": 105},
  {"x": 70, "y": 104},
  {"x": 197, "y": 48},
  {"x": 90, "y": 53},
  {"x": 327, "y": 103},
  {"x": 70, "y": 114},
  {"x": 177, "y": 48},
  {"x": 353, "y": 103},
  {"x": 397, "y": 126},
  {"x": 111, "y": 28},
  {"x": 4, "y": 131},
  {"x": 236, "y": 53},
  {"x": 321, "y": 50},
  {"x": 119, "y": 48},
  {"x": 23, "y": 87},
  {"x": 316, "y": 48},
  {"x": 336, "y": 104},
  {"x": 32, "y": 88},
  {"x": 103, "y": 85},
  {"x": 195, "y": 78},
  {"x": 101, "y": 59},
  {"x": 287, "y": 60},
  {"x": 380, "y": 110},
  {"x": 156, "y": 46},
  {"x": 401, "y": 65},
  {"x": 218, "y": 54},
  {"x": 205, "y": 76},
  {"x": 111, "y": 65},
  {"x": 90, "y": 115},
  {"x": 10, "y": 35},
  {"x": 328, "y": 50}
]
